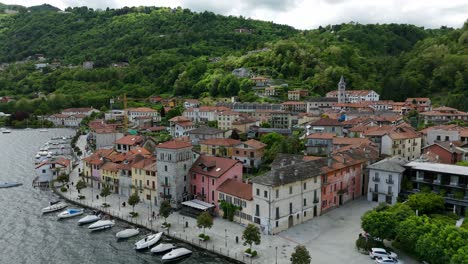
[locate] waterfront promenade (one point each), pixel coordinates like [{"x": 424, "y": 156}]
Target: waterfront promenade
[{"x": 272, "y": 249}]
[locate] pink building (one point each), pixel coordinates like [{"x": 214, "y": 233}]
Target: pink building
[{"x": 208, "y": 173}]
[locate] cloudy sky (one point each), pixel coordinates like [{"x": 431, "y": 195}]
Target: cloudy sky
[{"x": 305, "y": 14}]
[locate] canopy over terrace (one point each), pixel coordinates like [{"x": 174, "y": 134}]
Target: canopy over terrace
[{"x": 195, "y": 207}]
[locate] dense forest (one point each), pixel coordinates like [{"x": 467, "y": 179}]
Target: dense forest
[{"x": 183, "y": 53}]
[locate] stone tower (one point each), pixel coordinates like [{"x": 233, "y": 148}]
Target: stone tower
[
  {"x": 342, "y": 90},
  {"x": 173, "y": 161}
]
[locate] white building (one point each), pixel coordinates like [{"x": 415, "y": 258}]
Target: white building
[
  {"x": 66, "y": 120},
  {"x": 87, "y": 111},
  {"x": 48, "y": 170},
  {"x": 385, "y": 180},
  {"x": 287, "y": 196},
  {"x": 133, "y": 113}
]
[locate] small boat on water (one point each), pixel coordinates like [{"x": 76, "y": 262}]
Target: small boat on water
[
  {"x": 9, "y": 184},
  {"x": 128, "y": 233},
  {"x": 163, "y": 247},
  {"x": 54, "y": 207},
  {"x": 43, "y": 130},
  {"x": 89, "y": 219},
  {"x": 70, "y": 213},
  {"x": 6, "y": 131},
  {"x": 101, "y": 224},
  {"x": 148, "y": 241},
  {"x": 176, "y": 254}
]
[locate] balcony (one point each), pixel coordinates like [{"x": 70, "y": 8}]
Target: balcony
[
  {"x": 166, "y": 185},
  {"x": 390, "y": 193},
  {"x": 316, "y": 200},
  {"x": 389, "y": 181},
  {"x": 165, "y": 196},
  {"x": 436, "y": 182},
  {"x": 455, "y": 184},
  {"x": 376, "y": 179}
]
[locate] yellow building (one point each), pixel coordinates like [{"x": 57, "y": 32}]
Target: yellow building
[
  {"x": 110, "y": 176},
  {"x": 145, "y": 180}
]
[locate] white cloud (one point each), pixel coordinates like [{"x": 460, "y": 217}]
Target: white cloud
[{"x": 305, "y": 14}]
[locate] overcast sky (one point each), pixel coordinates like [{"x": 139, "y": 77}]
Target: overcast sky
[{"x": 305, "y": 14}]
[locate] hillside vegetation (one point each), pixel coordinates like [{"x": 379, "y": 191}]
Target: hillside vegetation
[{"x": 179, "y": 52}]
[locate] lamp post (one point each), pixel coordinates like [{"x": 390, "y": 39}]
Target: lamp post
[
  {"x": 119, "y": 201},
  {"x": 183, "y": 224},
  {"x": 276, "y": 254},
  {"x": 225, "y": 238}
]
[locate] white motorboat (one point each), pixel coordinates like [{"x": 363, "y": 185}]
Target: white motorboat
[
  {"x": 128, "y": 233},
  {"x": 148, "y": 241},
  {"x": 163, "y": 247},
  {"x": 70, "y": 213},
  {"x": 177, "y": 253},
  {"x": 43, "y": 130},
  {"x": 89, "y": 219},
  {"x": 101, "y": 224},
  {"x": 6, "y": 131},
  {"x": 54, "y": 207}
]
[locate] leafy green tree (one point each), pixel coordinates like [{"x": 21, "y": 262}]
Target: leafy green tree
[
  {"x": 426, "y": 203},
  {"x": 251, "y": 235},
  {"x": 204, "y": 220},
  {"x": 379, "y": 224},
  {"x": 165, "y": 209},
  {"x": 410, "y": 230},
  {"x": 133, "y": 200},
  {"x": 80, "y": 185},
  {"x": 105, "y": 192},
  {"x": 300, "y": 255},
  {"x": 271, "y": 138},
  {"x": 461, "y": 256}
]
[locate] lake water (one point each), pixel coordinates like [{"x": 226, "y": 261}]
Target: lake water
[{"x": 26, "y": 236}]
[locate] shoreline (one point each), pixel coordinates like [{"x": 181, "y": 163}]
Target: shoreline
[{"x": 148, "y": 228}]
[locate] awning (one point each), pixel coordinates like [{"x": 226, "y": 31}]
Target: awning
[{"x": 197, "y": 204}]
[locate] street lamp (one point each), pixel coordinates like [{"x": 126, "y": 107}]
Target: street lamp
[
  {"x": 118, "y": 195},
  {"x": 276, "y": 254},
  {"x": 183, "y": 224},
  {"x": 225, "y": 237}
]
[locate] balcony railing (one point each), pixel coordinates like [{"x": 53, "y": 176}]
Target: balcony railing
[
  {"x": 165, "y": 185},
  {"x": 316, "y": 200},
  {"x": 376, "y": 179},
  {"x": 165, "y": 196},
  {"x": 453, "y": 184},
  {"x": 436, "y": 181},
  {"x": 390, "y": 193},
  {"x": 389, "y": 181}
]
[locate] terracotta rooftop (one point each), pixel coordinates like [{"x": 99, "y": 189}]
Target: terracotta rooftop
[
  {"x": 110, "y": 166},
  {"x": 326, "y": 122},
  {"x": 130, "y": 140},
  {"x": 179, "y": 119},
  {"x": 350, "y": 141},
  {"x": 174, "y": 144},
  {"x": 322, "y": 135},
  {"x": 237, "y": 189},
  {"x": 141, "y": 109},
  {"x": 213, "y": 166},
  {"x": 254, "y": 144}
]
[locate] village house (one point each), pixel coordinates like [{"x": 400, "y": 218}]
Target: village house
[
  {"x": 318, "y": 105},
  {"x": 287, "y": 195},
  {"x": 419, "y": 104},
  {"x": 319, "y": 144},
  {"x": 110, "y": 176},
  {"x": 203, "y": 133},
  {"x": 139, "y": 112},
  {"x": 444, "y": 133},
  {"x": 191, "y": 103},
  {"x": 261, "y": 81},
  {"x": 294, "y": 106},
  {"x": 222, "y": 147},
  {"x": 66, "y": 120},
  {"x": 296, "y": 95},
  {"x": 104, "y": 137},
  {"x": 208, "y": 173},
  {"x": 239, "y": 194},
  {"x": 226, "y": 118},
  {"x": 127, "y": 143},
  {"x": 385, "y": 178},
  {"x": 179, "y": 126},
  {"x": 448, "y": 152},
  {"x": 354, "y": 96},
  {"x": 243, "y": 123},
  {"x": 144, "y": 179},
  {"x": 325, "y": 125},
  {"x": 204, "y": 114},
  {"x": 282, "y": 120},
  {"x": 271, "y": 91},
  {"x": 50, "y": 169},
  {"x": 250, "y": 153},
  {"x": 443, "y": 115}
]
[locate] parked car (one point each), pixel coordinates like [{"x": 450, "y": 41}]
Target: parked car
[
  {"x": 385, "y": 260},
  {"x": 380, "y": 252}
]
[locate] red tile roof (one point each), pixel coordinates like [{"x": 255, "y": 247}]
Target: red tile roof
[
  {"x": 174, "y": 144},
  {"x": 237, "y": 189},
  {"x": 179, "y": 119},
  {"x": 130, "y": 140},
  {"x": 322, "y": 135},
  {"x": 254, "y": 144},
  {"x": 213, "y": 166},
  {"x": 326, "y": 122}
]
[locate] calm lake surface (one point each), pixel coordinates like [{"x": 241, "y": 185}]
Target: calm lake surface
[{"x": 26, "y": 236}]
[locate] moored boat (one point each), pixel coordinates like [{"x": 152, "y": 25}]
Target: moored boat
[
  {"x": 89, "y": 219},
  {"x": 148, "y": 241},
  {"x": 128, "y": 233},
  {"x": 9, "y": 184},
  {"x": 101, "y": 224},
  {"x": 70, "y": 213},
  {"x": 6, "y": 131},
  {"x": 176, "y": 254},
  {"x": 54, "y": 207},
  {"x": 163, "y": 247}
]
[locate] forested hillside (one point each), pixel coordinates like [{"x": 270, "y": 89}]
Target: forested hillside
[{"x": 179, "y": 52}]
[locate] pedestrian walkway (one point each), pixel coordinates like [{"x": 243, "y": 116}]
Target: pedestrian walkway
[{"x": 272, "y": 249}]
